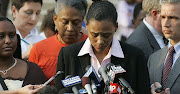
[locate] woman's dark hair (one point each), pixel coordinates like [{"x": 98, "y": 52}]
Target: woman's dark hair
[
  {"x": 19, "y": 3},
  {"x": 48, "y": 22},
  {"x": 137, "y": 10},
  {"x": 2, "y": 18},
  {"x": 102, "y": 10}
]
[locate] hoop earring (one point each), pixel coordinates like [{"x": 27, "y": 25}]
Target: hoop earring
[{"x": 55, "y": 28}]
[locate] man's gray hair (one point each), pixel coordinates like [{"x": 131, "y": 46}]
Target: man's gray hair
[{"x": 80, "y": 5}]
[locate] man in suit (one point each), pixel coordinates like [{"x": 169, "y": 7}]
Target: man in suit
[
  {"x": 148, "y": 35},
  {"x": 101, "y": 48},
  {"x": 164, "y": 65}
]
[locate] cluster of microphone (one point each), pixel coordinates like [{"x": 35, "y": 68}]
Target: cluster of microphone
[{"x": 91, "y": 82}]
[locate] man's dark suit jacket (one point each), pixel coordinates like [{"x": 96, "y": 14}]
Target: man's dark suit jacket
[
  {"x": 134, "y": 63},
  {"x": 143, "y": 39}
]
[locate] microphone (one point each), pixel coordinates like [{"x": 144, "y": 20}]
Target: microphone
[
  {"x": 86, "y": 84},
  {"x": 91, "y": 73},
  {"x": 95, "y": 80},
  {"x": 103, "y": 72},
  {"x": 70, "y": 81},
  {"x": 115, "y": 88},
  {"x": 93, "y": 86},
  {"x": 114, "y": 70},
  {"x": 53, "y": 77},
  {"x": 124, "y": 83}
]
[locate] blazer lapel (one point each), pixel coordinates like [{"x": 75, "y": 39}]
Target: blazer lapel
[
  {"x": 84, "y": 62},
  {"x": 151, "y": 38},
  {"x": 160, "y": 65},
  {"x": 174, "y": 74}
]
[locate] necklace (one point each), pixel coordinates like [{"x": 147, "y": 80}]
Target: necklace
[{"x": 5, "y": 71}]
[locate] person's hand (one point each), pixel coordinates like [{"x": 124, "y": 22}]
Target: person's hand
[
  {"x": 157, "y": 84},
  {"x": 29, "y": 89},
  {"x": 25, "y": 56}
]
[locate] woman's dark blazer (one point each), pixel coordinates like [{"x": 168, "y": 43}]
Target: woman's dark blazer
[{"x": 134, "y": 63}]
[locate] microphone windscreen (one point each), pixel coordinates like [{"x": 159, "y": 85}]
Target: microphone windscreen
[
  {"x": 85, "y": 80},
  {"x": 103, "y": 72}
]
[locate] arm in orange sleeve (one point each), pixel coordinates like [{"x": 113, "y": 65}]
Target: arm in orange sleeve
[{"x": 33, "y": 56}]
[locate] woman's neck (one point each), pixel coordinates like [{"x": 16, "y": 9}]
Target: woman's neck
[
  {"x": 101, "y": 55},
  {"x": 78, "y": 38},
  {"x": 24, "y": 32},
  {"x": 5, "y": 63}
]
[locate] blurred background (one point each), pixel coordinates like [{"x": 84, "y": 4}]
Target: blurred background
[{"x": 47, "y": 4}]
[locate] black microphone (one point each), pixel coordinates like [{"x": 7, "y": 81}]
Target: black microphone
[
  {"x": 124, "y": 83},
  {"x": 103, "y": 72},
  {"x": 72, "y": 82}
]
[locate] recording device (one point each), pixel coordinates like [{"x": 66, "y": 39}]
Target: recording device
[
  {"x": 158, "y": 89},
  {"x": 53, "y": 77},
  {"x": 86, "y": 84},
  {"x": 125, "y": 84},
  {"x": 72, "y": 82},
  {"x": 103, "y": 72}
]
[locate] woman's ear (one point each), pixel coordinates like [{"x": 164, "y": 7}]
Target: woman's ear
[
  {"x": 14, "y": 11},
  {"x": 54, "y": 19},
  {"x": 86, "y": 26}
]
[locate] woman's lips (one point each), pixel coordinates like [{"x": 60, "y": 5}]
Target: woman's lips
[{"x": 8, "y": 48}]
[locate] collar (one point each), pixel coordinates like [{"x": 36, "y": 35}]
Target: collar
[
  {"x": 34, "y": 31},
  {"x": 115, "y": 49},
  {"x": 176, "y": 47},
  {"x": 152, "y": 29}
]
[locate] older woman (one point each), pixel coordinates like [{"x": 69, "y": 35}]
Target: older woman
[
  {"x": 15, "y": 72},
  {"x": 26, "y": 14},
  {"x": 68, "y": 18}
]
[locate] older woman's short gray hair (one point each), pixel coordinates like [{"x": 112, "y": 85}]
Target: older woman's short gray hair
[
  {"x": 80, "y": 5},
  {"x": 169, "y": 1}
]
